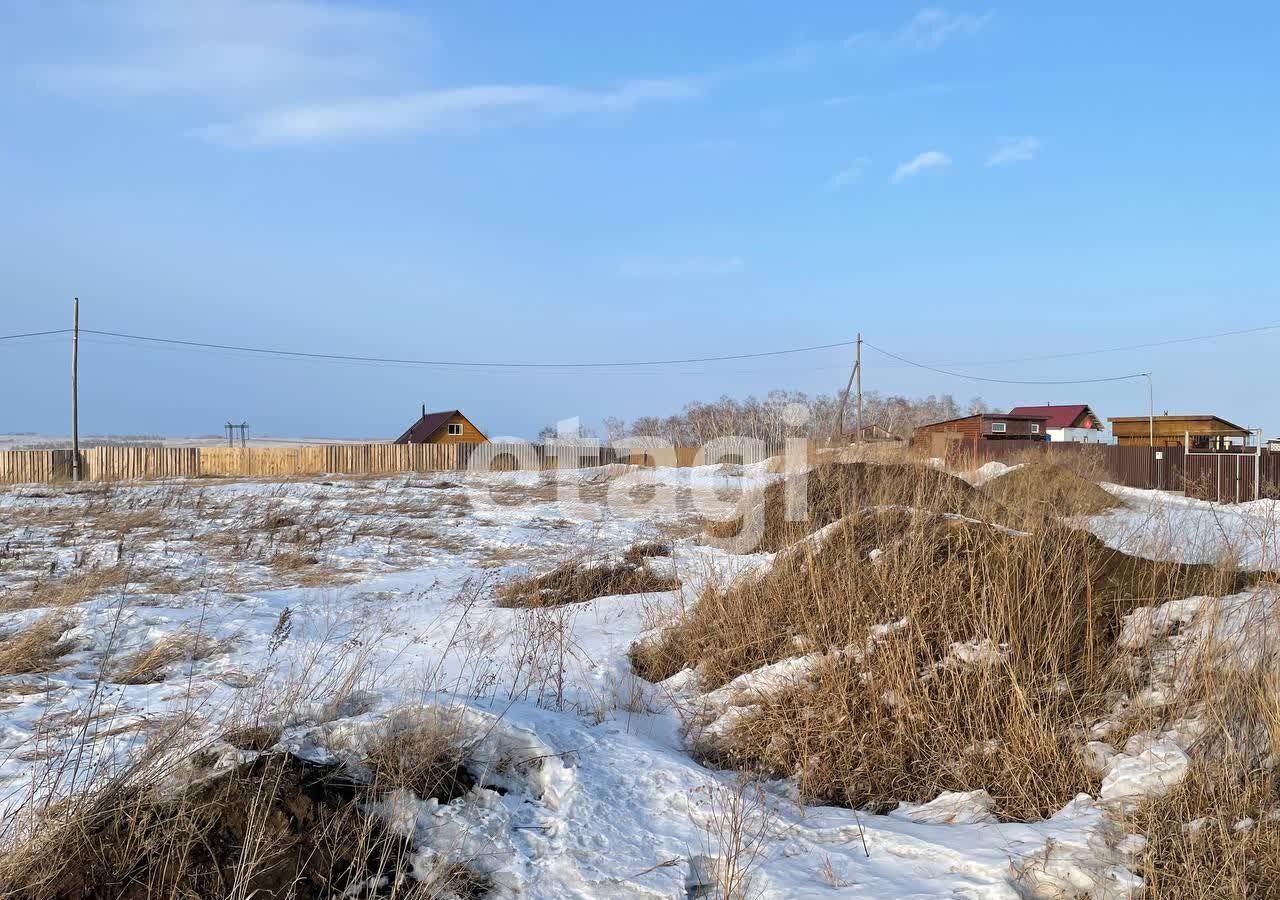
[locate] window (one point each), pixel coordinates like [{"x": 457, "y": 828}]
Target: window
[
  {"x": 1035, "y": 427},
  {"x": 455, "y": 428},
  {"x": 999, "y": 427}
]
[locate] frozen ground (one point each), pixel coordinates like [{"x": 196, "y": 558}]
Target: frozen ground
[{"x": 355, "y": 603}]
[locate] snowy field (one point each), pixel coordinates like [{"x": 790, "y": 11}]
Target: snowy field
[{"x": 349, "y": 606}]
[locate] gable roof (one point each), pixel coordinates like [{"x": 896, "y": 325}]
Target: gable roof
[
  {"x": 1059, "y": 416},
  {"x": 984, "y": 416},
  {"x": 429, "y": 424},
  {"x": 1205, "y": 423}
]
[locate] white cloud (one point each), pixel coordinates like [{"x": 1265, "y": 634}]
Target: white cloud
[
  {"x": 848, "y": 175},
  {"x": 231, "y": 49},
  {"x": 679, "y": 266},
  {"x": 928, "y": 29},
  {"x": 448, "y": 110},
  {"x": 933, "y": 26},
  {"x": 1012, "y": 150},
  {"x": 930, "y": 159}
]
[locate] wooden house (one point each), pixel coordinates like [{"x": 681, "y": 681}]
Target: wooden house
[
  {"x": 1067, "y": 422},
  {"x": 1199, "y": 432},
  {"x": 967, "y": 432},
  {"x": 448, "y": 426}
]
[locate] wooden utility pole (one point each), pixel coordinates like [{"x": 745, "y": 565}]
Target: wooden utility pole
[
  {"x": 857, "y": 371},
  {"x": 75, "y": 389}
]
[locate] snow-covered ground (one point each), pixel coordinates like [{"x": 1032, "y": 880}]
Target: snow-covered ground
[{"x": 355, "y": 603}]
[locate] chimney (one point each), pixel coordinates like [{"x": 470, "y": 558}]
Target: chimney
[{"x": 424, "y": 410}]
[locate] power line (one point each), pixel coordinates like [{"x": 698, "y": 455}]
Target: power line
[
  {"x": 1001, "y": 380},
  {"x": 31, "y": 334},
  {"x": 1122, "y": 349},
  {"x": 342, "y": 357}
]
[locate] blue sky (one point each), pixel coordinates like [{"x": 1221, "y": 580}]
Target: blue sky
[{"x": 582, "y": 182}]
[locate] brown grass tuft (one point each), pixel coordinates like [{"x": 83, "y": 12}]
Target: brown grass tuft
[
  {"x": 37, "y": 647},
  {"x": 1037, "y": 490},
  {"x": 958, "y": 656},
  {"x": 833, "y": 490},
  {"x": 68, "y": 590},
  {"x": 579, "y": 580},
  {"x": 279, "y": 826},
  {"x": 148, "y": 665}
]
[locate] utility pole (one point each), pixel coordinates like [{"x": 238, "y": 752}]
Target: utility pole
[
  {"x": 854, "y": 374},
  {"x": 1151, "y": 413},
  {"x": 857, "y": 370},
  {"x": 75, "y": 389}
]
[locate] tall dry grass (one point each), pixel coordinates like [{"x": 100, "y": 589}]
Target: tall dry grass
[{"x": 944, "y": 654}]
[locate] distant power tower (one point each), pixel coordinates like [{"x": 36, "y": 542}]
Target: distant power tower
[{"x": 232, "y": 428}]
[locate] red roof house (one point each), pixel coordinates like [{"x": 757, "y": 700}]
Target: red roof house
[
  {"x": 1066, "y": 422},
  {"x": 448, "y": 426}
]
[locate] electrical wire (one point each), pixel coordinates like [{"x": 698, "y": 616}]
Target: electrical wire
[
  {"x": 342, "y": 357},
  {"x": 31, "y": 334},
  {"x": 918, "y": 365}
]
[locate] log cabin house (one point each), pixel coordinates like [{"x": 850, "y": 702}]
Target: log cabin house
[
  {"x": 967, "y": 432},
  {"x": 448, "y": 426},
  {"x": 1193, "y": 432}
]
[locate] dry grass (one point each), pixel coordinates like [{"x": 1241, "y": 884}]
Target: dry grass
[
  {"x": 37, "y": 647},
  {"x": 149, "y": 664},
  {"x": 957, "y": 656},
  {"x": 276, "y": 827},
  {"x": 581, "y": 580},
  {"x": 832, "y": 490},
  {"x": 1039, "y": 490},
  {"x": 68, "y": 590}
]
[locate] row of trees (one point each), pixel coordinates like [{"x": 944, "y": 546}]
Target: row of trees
[{"x": 781, "y": 414}]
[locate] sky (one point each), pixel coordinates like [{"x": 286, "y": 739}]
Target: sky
[{"x": 967, "y": 186}]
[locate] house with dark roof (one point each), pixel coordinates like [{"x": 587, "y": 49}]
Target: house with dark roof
[
  {"x": 448, "y": 426},
  {"x": 1074, "y": 422},
  {"x": 967, "y": 433}
]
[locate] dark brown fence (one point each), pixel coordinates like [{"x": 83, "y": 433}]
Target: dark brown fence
[{"x": 1224, "y": 477}]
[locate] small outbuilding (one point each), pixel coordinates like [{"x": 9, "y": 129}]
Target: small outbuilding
[
  {"x": 953, "y": 435},
  {"x": 1067, "y": 422},
  {"x": 1193, "y": 432},
  {"x": 448, "y": 426}
]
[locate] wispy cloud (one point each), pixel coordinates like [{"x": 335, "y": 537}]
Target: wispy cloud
[
  {"x": 1014, "y": 150},
  {"x": 226, "y": 50},
  {"x": 930, "y": 159},
  {"x": 449, "y": 110},
  {"x": 848, "y": 175},
  {"x": 646, "y": 267},
  {"x": 928, "y": 29},
  {"x": 924, "y": 90},
  {"x": 296, "y": 71}
]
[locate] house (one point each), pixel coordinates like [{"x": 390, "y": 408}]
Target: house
[
  {"x": 1074, "y": 422},
  {"x": 448, "y": 426},
  {"x": 874, "y": 434},
  {"x": 1194, "y": 432},
  {"x": 968, "y": 432}
]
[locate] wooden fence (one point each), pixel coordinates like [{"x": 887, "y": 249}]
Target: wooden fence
[
  {"x": 1223, "y": 477},
  {"x": 129, "y": 463}
]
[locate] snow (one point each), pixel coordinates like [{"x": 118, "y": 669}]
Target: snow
[
  {"x": 588, "y": 785},
  {"x": 1165, "y": 525}
]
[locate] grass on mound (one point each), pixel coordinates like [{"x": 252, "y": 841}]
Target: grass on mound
[
  {"x": 834, "y": 489},
  {"x": 1039, "y": 489},
  {"x": 1003, "y": 651},
  {"x": 277, "y": 827},
  {"x": 37, "y": 647},
  {"x": 581, "y": 580}
]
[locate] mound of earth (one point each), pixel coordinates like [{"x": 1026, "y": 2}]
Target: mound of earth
[
  {"x": 1040, "y": 489},
  {"x": 277, "y": 827},
  {"x": 835, "y": 490}
]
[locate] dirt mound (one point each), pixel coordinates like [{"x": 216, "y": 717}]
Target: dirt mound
[
  {"x": 277, "y": 827},
  {"x": 1042, "y": 489},
  {"x": 835, "y": 490},
  {"x": 943, "y": 654},
  {"x": 578, "y": 580}
]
